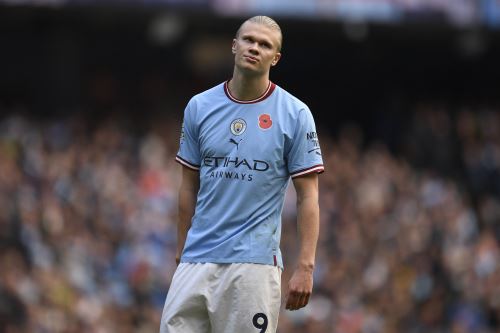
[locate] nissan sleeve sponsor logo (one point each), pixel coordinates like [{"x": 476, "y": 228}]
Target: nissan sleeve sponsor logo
[{"x": 312, "y": 137}]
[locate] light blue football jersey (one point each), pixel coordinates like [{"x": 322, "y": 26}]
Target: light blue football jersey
[{"x": 245, "y": 152}]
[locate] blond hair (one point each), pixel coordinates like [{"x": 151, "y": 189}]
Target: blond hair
[{"x": 268, "y": 22}]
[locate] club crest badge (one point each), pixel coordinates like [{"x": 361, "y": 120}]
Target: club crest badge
[
  {"x": 238, "y": 126},
  {"x": 265, "y": 121}
]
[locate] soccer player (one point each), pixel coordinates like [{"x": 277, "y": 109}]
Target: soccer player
[{"x": 241, "y": 142}]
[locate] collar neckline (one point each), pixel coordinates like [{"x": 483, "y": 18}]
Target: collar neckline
[{"x": 269, "y": 90}]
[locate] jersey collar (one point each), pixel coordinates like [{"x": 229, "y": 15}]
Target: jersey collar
[{"x": 270, "y": 88}]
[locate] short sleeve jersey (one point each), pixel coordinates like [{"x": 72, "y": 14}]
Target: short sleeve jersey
[{"x": 245, "y": 152}]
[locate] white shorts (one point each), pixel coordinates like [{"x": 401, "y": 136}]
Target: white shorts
[{"x": 223, "y": 298}]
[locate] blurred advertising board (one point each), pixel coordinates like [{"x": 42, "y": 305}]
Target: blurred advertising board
[{"x": 455, "y": 12}]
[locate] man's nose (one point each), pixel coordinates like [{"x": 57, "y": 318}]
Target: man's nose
[{"x": 254, "y": 48}]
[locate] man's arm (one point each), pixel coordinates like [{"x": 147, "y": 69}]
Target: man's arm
[
  {"x": 188, "y": 192},
  {"x": 301, "y": 283}
]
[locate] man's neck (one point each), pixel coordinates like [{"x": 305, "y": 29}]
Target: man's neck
[{"x": 247, "y": 88}]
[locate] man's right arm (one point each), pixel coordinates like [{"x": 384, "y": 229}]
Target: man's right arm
[{"x": 188, "y": 192}]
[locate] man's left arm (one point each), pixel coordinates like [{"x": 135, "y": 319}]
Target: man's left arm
[{"x": 301, "y": 284}]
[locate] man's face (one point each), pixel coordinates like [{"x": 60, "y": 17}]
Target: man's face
[{"x": 256, "y": 48}]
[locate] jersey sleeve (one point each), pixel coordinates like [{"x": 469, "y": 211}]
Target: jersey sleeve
[
  {"x": 305, "y": 154},
  {"x": 189, "y": 150}
]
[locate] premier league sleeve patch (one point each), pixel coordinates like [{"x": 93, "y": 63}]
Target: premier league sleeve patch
[
  {"x": 189, "y": 151},
  {"x": 182, "y": 133}
]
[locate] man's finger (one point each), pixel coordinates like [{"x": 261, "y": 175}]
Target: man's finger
[
  {"x": 289, "y": 301},
  {"x": 298, "y": 300},
  {"x": 306, "y": 299},
  {"x": 301, "y": 300},
  {"x": 292, "y": 300}
]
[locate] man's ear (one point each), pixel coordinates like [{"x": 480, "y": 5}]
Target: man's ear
[
  {"x": 277, "y": 58},
  {"x": 233, "y": 48}
]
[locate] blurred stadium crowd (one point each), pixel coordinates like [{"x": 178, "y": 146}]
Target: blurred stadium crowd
[
  {"x": 409, "y": 242},
  {"x": 456, "y": 12}
]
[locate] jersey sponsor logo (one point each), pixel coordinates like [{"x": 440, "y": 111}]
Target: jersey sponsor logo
[
  {"x": 236, "y": 162},
  {"x": 312, "y": 138},
  {"x": 265, "y": 121},
  {"x": 231, "y": 175},
  {"x": 234, "y": 168},
  {"x": 238, "y": 126},
  {"x": 317, "y": 151},
  {"x": 311, "y": 135}
]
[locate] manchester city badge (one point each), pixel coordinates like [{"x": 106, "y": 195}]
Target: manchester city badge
[{"x": 238, "y": 126}]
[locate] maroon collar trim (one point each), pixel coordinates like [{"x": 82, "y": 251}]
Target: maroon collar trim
[{"x": 270, "y": 88}]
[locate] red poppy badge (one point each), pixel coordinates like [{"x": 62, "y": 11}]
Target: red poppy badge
[{"x": 265, "y": 121}]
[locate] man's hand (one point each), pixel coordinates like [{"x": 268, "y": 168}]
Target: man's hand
[{"x": 299, "y": 289}]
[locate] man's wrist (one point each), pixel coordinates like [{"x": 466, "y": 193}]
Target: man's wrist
[{"x": 306, "y": 266}]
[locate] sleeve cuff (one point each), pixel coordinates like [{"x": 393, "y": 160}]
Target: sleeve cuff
[
  {"x": 314, "y": 169},
  {"x": 186, "y": 163}
]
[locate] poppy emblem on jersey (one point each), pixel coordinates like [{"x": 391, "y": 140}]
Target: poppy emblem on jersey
[
  {"x": 265, "y": 121},
  {"x": 238, "y": 126}
]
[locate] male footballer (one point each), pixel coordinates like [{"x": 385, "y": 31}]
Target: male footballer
[{"x": 241, "y": 142}]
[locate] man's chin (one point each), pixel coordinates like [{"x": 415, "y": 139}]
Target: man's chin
[{"x": 251, "y": 70}]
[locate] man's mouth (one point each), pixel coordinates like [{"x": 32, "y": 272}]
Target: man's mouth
[{"x": 252, "y": 59}]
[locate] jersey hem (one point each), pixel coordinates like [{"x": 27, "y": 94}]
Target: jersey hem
[{"x": 229, "y": 261}]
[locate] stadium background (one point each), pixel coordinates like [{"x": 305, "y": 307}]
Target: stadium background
[{"x": 406, "y": 100}]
